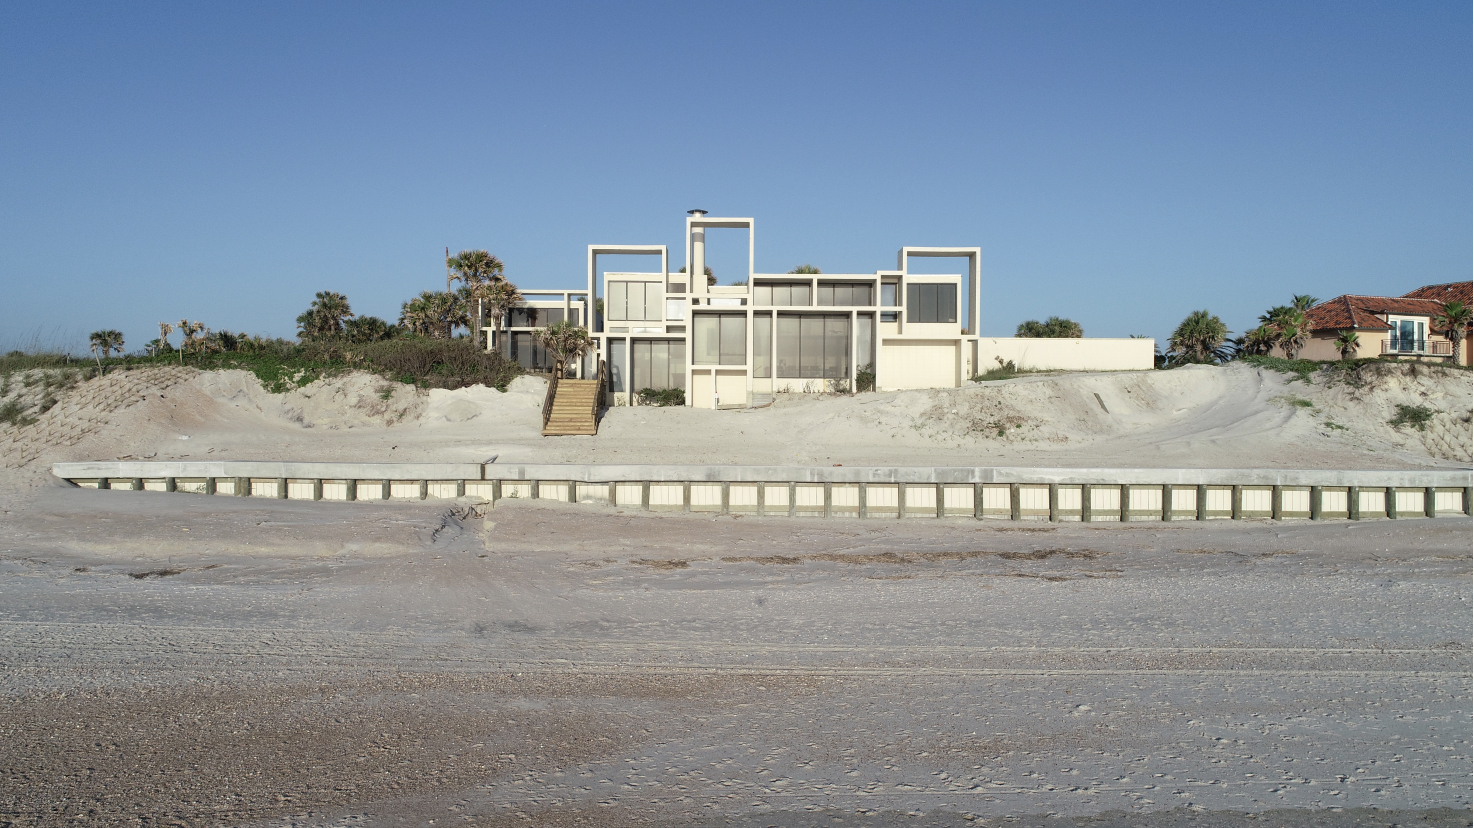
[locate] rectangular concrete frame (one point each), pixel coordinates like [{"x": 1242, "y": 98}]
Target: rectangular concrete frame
[{"x": 1088, "y": 495}]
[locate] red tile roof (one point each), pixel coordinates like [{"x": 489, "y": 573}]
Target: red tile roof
[
  {"x": 1451, "y": 292},
  {"x": 1352, "y": 311}
]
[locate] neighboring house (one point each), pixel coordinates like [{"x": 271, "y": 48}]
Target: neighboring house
[
  {"x": 1397, "y": 327},
  {"x": 725, "y": 345}
]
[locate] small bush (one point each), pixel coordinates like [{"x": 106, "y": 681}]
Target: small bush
[
  {"x": 13, "y": 413},
  {"x": 838, "y": 386},
  {"x": 865, "y": 378},
  {"x": 662, "y": 397},
  {"x": 1417, "y": 416},
  {"x": 1301, "y": 368},
  {"x": 1005, "y": 370}
]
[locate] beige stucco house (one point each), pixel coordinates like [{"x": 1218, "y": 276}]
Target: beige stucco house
[
  {"x": 1396, "y": 327},
  {"x": 728, "y": 345}
]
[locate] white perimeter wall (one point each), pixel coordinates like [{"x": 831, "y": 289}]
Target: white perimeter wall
[
  {"x": 917, "y": 363},
  {"x": 1067, "y": 354}
]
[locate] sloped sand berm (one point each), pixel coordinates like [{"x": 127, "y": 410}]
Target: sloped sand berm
[{"x": 1232, "y": 416}]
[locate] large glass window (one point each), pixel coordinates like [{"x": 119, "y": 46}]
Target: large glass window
[
  {"x": 864, "y": 340},
  {"x": 813, "y": 346},
  {"x": 634, "y": 301},
  {"x": 845, "y": 294},
  {"x": 529, "y": 354},
  {"x": 781, "y": 294},
  {"x": 888, "y": 294},
  {"x": 762, "y": 345},
  {"x": 618, "y": 352},
  {"x": 719, "y": 339},
  {"x": 931, "y": 303},
  {"x": 657, "y": 364}
]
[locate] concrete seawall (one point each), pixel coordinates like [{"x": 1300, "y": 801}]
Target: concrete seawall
[{"x": 1054, "y": 494}]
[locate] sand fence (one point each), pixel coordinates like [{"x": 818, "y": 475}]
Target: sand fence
[{"x": 983, "y": 493}]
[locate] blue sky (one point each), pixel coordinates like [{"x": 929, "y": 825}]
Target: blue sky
[{"x": 1121, "y": 164}]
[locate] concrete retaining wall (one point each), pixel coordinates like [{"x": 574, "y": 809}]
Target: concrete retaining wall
[
  {"x": 1067, "y": 354},
  {"x": 802, "y": 491}
]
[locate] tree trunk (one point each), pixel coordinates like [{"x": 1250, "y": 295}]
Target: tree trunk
[{"x": 476, "y": 327}]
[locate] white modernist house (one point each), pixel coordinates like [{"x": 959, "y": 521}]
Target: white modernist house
[{"x": 779, "y": 332}]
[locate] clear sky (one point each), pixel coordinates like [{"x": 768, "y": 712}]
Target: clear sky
[{"x": 1119, "y": 163}]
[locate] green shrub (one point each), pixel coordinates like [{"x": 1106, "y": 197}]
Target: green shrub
[
  {"x": 662, "y": 397},
  {"x": 13, "y": 413},
  {"x": 865, "y": 378},
  {"x": 1417, "y": 416},
  {"x": 1005, "y": 370}
]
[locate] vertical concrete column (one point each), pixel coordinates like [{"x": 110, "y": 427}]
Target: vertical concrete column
[
  {"x": 1277, "y": 503},
  {"x": 941, "y": 501},
  {"x": 1167, "y": 503},
  {"x": 170, "y": 484},
  {"x": 792, "y": 499},
  {"x": 243, "y": 487},
  {"x": 536, "y": 491},
  {"x": 317, "y": 488},
  {"x": 1202, "y": 502},
  {"x": 1125, "y": 503},
  {"x": 573, "y": 491},
  {"x": 1353, "y": 503},
  {"x": 1015, "y": 502},
  {"x": 900, "y": 500},
  {"x": 104, "y": 483},
  {"x": 645, "y": 495},
  {"x": 1430, "y": 502},
  {"x": 352, "y": 490},
  {"x": 209, "y": 485},
  {"x": 281, "y": 488},
  {"x": 386, "y": 490},
  {"x": 828, "y": 499},
  {"x": 1390, "y": 501},
  {"x": 863, "y": 509},
  {"x": 977, "y": 501},
  {"x": 424, "y": 489},
  {"x": 1316, "y": 494},
  {"x": 1053, "y": 502},
  {"x": 461, "y": 487},
  {"x": 613, "y": 494},
  {"x": 686, "y": 496},
  {"x": 726, "y": 498},
  {"x": 1086, "y": 513},
  {"x": 138, "y": 484},
  {"x": 496, "y": 491},
  {"x": 1237, "y": 503},
  {"x": 1467, "y": 499},
  {"x": 762, "y": 498}
]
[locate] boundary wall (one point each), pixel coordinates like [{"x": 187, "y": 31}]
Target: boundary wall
[
  {"x": 1044, "y": 494},
  {"x": 1095, "y": 354}
]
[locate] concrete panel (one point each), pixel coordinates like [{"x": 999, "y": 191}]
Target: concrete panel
[
  {"x": 775, "y": 498},
  {"x": 667, "y": 496},
  {"x": 404, "y": 489},
  {"x": 191, "y": 485},
  {"x": 808, "y": 499},
  {"x": 1295, "y": 502},
  {"x": 368, "y": 490},
  {"x": 703, "y": 388},
  {"x": 957, "y": 500},
  {"x": 484, "y": 489},
  {"x": 1220, "y": 501},
  {"x": 1333, "y": 501},
  {"x": 587, "y": 492},
  {"x": 154, "y": 485},
  {"x": 997, "y": 500},
  {"x": 1146, "y": 499},
  {"x": 918, "y": 363},
  {"x": 880, "y": 499},
  {"x": 264, "y": 488},
  {"x": 706, "y": 497},
  {"x": 1257, "y": 502},
  {"x": 1069, "y": 499},
  {"x": 1448, "y": 503},
  {"x": 1185, "y": 500},
  {"x": 1067, "y": 354},
  {"x": 921, "y": 500},
  {"x": 1034, "y": 500},
  {"x": 742, "y": 496},
  {"x": 1373, "y": 504},
  {"x": 1410, "y": 503},
  {"x": 845, "y": 496},
  {"x": 627, "y": 494},
  {"x": 442, "y": 489},
  {"x": 522, "y": 489},
  {"x": 334, "y": 490},
  {"x": 1104, "y": 499}
]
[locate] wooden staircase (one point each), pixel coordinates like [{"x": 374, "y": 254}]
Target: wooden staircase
[{"x": 572, "y": 406}]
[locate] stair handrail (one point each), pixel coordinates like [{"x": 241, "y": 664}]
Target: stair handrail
[
  {"x": 548, "y": 399},
  {"x": 599, "y": 389}
]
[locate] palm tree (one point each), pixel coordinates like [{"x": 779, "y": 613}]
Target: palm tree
[
  {"x": 164, "y": 330},
  {"x": 325, "y": 316},
  {"x": 104, "y": 343},
  {"x": 1347, "y": 341},
  {"x": 1303, "y": 301},
  {"x": 1199, "y": 338},
  {"x": 805, "y": 270},
  {"x": 367, "y": 329},
  {"x": 566, "y": 342},
  {"x": 1454, "y": 318},
  {"x": 1294, "y": 330},
  {"x": 1259, "y": 341},
  {"x": 434, "y": 314},
  {"x": 501, "y": 297},
  {"x": 189, "y": 329},
  {"x": 477, "y": 271},
  {"x": 1054, "y": 327}
]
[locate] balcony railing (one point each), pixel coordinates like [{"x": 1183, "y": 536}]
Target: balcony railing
[{"x": 1426, "y": 347}]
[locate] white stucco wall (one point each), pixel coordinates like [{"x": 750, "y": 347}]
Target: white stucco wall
[
  {"x": 917, "y": 363},
  {"x": 1067, "y": 354}
]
